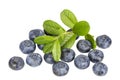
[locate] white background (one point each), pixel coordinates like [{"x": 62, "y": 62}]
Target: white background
[{"x": 18, "y": 17}]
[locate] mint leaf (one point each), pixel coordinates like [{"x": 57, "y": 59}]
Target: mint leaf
[
  {"x": 44, "y": 39},
  {"x": 91, "y": 39},
  {"x": 68, "y": 41},
  {"x": 52, "y": 27},
  {"x": 81, "y": 28},
  {"x": 68, "y": 18},
  {"x": 56, "y": 51},
  {"x": 48, "y": 47}
]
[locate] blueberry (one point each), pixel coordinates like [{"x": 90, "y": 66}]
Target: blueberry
[
  {"x": 67, "y": 55},
  {"x": 49, "y": 58},
  {"x": 16, "y": 63},
  {"x": 96, "y": 55},
  {"x": 35, "y": 33},
  {"x": 100, "y": 69},
  {"x": 103, "y": 41},
  {"x": 34, "y": 59},
  {"x": 40, "y": 46},
  {"x": 60, "y": 68},
  {"x": 83, "y": 46},
  {"x": 27, "y": 46},
  {"x": 70, "y": 30},
  {"x": 82, "y": 62}
]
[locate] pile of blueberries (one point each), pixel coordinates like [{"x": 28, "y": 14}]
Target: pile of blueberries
[{"x": 61, "y": 68}]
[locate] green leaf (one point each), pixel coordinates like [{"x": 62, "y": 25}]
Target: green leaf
[
  {"x": 91, "y": 39},
  {"x": 56, "y": 51},
  {"x": 52, "y": 27},
  {"x": 48, "y": 47},
  {"x": 68, "y": 18},
  {"x": 81, "y": 28},
  {"x": 69, "y": 39},
  {"x": 44, "y": 39}
]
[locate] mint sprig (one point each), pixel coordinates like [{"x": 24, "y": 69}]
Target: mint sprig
[{"x": 60, "y": 38}]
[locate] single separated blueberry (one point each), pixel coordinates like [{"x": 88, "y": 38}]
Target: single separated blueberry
[
  {"x": 49, "y": 58},
  {"x": 60, "y": 68},
  {"x": 34, "y": 59},
  {"x": 96, "y": 55},
  {"x": 67, "y": 55},
  {"x": 82, "y": 62},
  {"x": 35, "y": 33},
  {"x": 100, "y": 69},
  {"x": 16, "y": 63},
  {"x": 83, "y": 46},
  {"x": 70, "y": 30},
  {"x": 103, "y": 41},
  {"x": 27, "y": 46}
]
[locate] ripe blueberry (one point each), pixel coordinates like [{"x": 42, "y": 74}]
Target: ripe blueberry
[
  {"x": 40, "y": 46},
  {"x": 16, "y": 63},
  {"x": 67, "y": 55},
  {"x": 27, "y": 46},
  {"x": 103, "y": 41},
  {"x": 35, "y": 33},
  {"x": 60, "y": 68},
  {"x": 100, "y": 69},
  {"x": 49, "y": 58},
  {"x": 96, "y": 55},
  {"x": 34, "y": 59},
  {"x": 82, "y": 62},
  {"x": 83, "y": 46}
]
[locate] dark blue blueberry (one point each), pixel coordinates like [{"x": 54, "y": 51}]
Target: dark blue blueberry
[
  {"x": 96, "y": 55},
  {"x": 100, "y": 69},
  {"x": 35, "y": 33},
  {"x": 49, "y": 58},
  {"x": 103, "y": 41},
  {"x": 34, "y": 59},
  {"x": 82, "y": 62},
  {"x": 27, "y": 46},
  {"x": 16, "y": 63},
  {"x": 83, "y": 46},
  {"x": 70, "y": 30},
  {"x": 60, "y": 68},
  {"x": 67, "y": 55},
  {"x": 40, "y": 46}
]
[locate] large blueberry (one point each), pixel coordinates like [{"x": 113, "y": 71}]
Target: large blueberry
[
  {"x": 70, "y": 30},
  {"x": 35, "y": 33},
  {"x": 16, "y": 63},
  {"x": 67, "y": 55},
  {"x": 83, "y": 46},
  {"x": 27, "y": 46},
  {"x": 60, "y": 68},
  {"x": 96, "y": 55},
  {"x": 100, "y": 69},
  {"x": 82, "y": 62},
  {"x": 34, "y": 59},
  {"x": 103, "y": 41},
  {"x": 49, "y": 58}
]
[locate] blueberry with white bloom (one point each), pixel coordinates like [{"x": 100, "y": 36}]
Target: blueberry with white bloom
[
  {"x": 16, "y": 63},
  {"x": 60, "y": 68},
  {"x": 83, "y": 46},
  {"x": 49, "y": 58},
  {"x": 82, "y": 62},
  {"x": 100, "y": 69},
  {"x": 67, "y": 55},
  {"x": 34, "y": 59},
  {"x": 35, "y": 33},
  {"x": 27, "y": 46},
  {"x": 103, "y": 41},
  {"x": 96, "y": 55}
]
